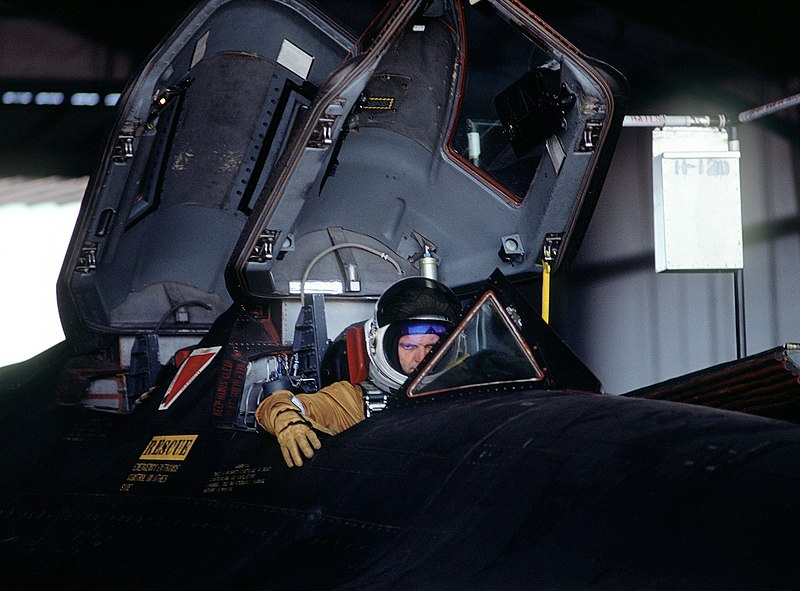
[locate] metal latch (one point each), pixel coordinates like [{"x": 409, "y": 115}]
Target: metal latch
[
  {"x": 550, "y": 250},
  {"x": 323, "y": 133},
  {"x": 263, "y": 250},
  {"x": 590, "y": 136},
  {"x": 551, "y": 246},
  {"x": 123, "y": 150},
  {"x": 87, "y": 259}
]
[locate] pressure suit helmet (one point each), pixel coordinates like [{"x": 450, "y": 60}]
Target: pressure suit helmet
[{"x": 414, "y": 305}]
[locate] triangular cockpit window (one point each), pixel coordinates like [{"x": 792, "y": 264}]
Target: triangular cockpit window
[{"x": 486, "y": 349}]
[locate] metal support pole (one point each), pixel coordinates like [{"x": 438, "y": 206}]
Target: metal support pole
[
  {"x": 546, "y": 291},
  {"x": 769, "y": 108},
  {"x": 741, "y": 325},
  {"x": 718, "y": 121}
]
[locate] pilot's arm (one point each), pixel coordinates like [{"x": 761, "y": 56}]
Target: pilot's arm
[{"x": 290, "y": 417}]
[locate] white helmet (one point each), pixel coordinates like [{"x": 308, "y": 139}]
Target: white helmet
[{"x": 414, "y": 305}]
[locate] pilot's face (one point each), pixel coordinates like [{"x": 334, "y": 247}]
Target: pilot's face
[{"x": 412, "y": 348}]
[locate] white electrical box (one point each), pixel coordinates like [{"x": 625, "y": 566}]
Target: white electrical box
[{"x": 696, "y": 200}]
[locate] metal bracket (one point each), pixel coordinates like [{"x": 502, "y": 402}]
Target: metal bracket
[
  {"x": 511, "y": 249},
  {"x": 264, "y": 249},
  {"x": 426, "y": 258},
  {"x": 375, "y": 400},
  {"x": 322, "y": 135},
  {"x": 426, "y": 247},
  {"x": 590, "y": 136},
  {"x": 87, "y": 259},
  {"x": 161, "y": 99},
  {"x": 144, "y": 366},
  {"x": 123, "y": 150},
  {"x": 551, "y": 246}
]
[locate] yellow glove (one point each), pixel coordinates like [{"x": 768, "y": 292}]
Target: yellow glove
[
  {"x": 332, "y": 410},
  {"x": 295, "y": 438},
  {"x": 278, "y": 415}
]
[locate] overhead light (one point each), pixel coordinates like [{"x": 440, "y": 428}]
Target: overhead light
[
  {"x": 15, "y": 97},
  {"x": 55, "y": 98},
  {"x": 84, "y": 99},
  {"x": 49, "y": 98}
]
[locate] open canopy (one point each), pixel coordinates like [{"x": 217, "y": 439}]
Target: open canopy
[{"x": 272, "y": 148}]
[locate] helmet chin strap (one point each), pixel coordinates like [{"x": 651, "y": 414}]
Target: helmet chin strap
[{"x": 381, "y": 372}]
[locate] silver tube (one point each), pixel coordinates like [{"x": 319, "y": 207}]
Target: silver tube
[
  {"x": 768, "y": 108},
  {"x": 674, "y": 121}
]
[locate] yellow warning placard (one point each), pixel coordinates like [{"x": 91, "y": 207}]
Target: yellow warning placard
[
  {"x": 378, "y": 103},
  {"x": 168, "y": 447}
]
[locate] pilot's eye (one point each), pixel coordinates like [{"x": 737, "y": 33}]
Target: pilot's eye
[{"x": 408, "y": 346}]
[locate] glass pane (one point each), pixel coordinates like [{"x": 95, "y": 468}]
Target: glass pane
[
  {"x": 510, "y": 106},
  {"x": 486, "y": 349}
]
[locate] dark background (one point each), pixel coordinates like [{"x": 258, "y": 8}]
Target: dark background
[{"x": 658, "y": 46}]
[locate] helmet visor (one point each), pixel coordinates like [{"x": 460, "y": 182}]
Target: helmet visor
[
  {"x": 421, "y": 327},
  {"x": 400, "y": 329}
]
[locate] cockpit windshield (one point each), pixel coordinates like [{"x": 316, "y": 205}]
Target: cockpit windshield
[
  {"x": 512, "y": 107},
  {"x": 486, "y": 349}
]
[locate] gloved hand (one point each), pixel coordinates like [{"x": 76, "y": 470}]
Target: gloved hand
[
  {"x": 278, "y": 415},
  {"x": 296, "y": 438}
]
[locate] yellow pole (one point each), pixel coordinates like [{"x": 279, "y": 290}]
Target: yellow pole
[{"x": 546, "y": 291}]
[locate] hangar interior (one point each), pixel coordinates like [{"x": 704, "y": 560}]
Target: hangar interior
[{"x": 61, "y": 66}]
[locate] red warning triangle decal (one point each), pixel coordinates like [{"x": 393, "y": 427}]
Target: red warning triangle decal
[{"x": 195, "y": 363}]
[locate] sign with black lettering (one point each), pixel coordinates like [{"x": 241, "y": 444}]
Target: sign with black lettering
[{"x": 168, "y": 447}]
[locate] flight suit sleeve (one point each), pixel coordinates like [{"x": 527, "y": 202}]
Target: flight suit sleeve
[{"x": 331, "y": 410}]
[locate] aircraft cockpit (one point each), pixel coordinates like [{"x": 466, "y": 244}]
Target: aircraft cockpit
[{"x": 272, "y": 153}]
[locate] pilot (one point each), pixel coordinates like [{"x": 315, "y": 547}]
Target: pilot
[{"x": 408, "y": 320}]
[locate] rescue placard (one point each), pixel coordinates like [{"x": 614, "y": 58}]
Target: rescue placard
[
  {"x": 168, "y": 447},
  {"x": 378, "y": 103}
]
